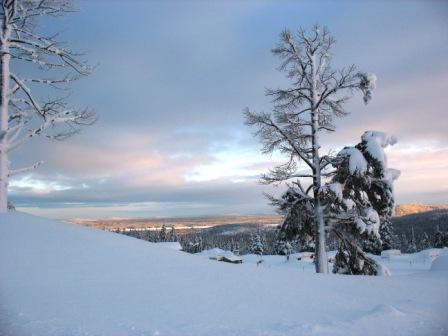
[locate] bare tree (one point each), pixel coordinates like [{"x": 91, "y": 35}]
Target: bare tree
[
  {"x": 51, "y": 66},
  {"x": 302, "y": 112}
]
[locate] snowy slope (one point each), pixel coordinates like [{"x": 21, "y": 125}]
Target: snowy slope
[{"x": 62, "y": 279}]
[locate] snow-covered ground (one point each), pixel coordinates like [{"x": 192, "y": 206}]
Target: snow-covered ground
[
  {"x": 68, "y": 280},
  {"x": 405, "y": 264}
]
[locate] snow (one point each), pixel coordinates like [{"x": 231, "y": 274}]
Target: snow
[
  {"x": 360, "y": 225},
  {"x": 63, "y": 279},
  {"x": 357, "y": 163},
  {"x": 370, "y": 222},
  {"x": 392, "y": 174},
  {"x": 170, "y": 245},
  {"x": 336, "y": 189},
  {"x": 387, "y": 254},
  {"x": 376, "y": 142},
  {"x": 383, "y": 270},
  {"x": 349, "y": 203},
  {"x": 440, "y": 263},
  {"x": 373, "y": 220}
]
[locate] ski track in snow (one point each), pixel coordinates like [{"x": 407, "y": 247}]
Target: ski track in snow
[{"x": 69, "y": 280}]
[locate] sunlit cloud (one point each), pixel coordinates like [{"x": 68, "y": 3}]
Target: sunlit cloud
[
  {"x": 36, "y": 186},
  {"x": 236, "y": 165}
]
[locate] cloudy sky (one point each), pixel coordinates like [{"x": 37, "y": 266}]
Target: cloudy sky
[{"x": 171, "y": 81}]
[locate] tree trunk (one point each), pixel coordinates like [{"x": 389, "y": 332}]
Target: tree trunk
[
  {"x": 4, "y": 116},
  {"x": 321, "y": 259}
]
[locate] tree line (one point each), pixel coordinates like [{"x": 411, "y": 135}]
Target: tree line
[{"x": 265, "y": 241}]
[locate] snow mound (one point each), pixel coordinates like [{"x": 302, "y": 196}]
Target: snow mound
[
  {"x": 383, "y": 309},
  {"x": 383, "y": 270},
  {"x": 216, "y": 252},
  {"x": 388, "y": 254},
  {"x": 170, "y": 245},
  {"x": 440, "y": 264},
  {"x": 431, "y": 253}
]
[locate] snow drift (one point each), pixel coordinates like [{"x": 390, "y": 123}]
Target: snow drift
[{"x": 62, "y": 279}]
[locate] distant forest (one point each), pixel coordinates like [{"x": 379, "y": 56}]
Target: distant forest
[{"x": 412, "y": 232}]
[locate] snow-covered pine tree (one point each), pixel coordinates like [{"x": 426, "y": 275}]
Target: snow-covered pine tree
[
  {"x": 404, "y": 243},
  {"x": 23, "y": 114},
  {"x": 163, "y": 234},
  {"x": 358, "y": 197},
  {"x": 389, "y": 239},
  {"x": 257, "y": 246},
  {"x": 412, "y": 246},
  {"x": 282, "y": 247},
  {"x": 172, "y": 236},
  {"x": 302, "y": 112},
  {"x": 372, "y": 244},
  {"x": 235, "y": 248},
  {"x": 439, "y": 239},
  {"x": 425, "y": 243},
  {"x": 298, "y": 218}
]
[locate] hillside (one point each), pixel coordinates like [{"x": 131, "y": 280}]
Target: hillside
[
  {"x": 64, "y": 279},
  {"x": 421, "y": 222},
  {"x": 409, "y": 209}
]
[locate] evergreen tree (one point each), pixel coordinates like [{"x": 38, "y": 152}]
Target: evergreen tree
[
  {"x": 388, "y": 238},
  {"x": 257, "y": 246},
  {"x": 235, "y": 248},
  {"x": 298, "y": 221},
  {"x": 404, "y": 243},
  {"x": 439, "y": 239},
  {"x": 162, "y": 234},
  {"x": 425, "y": 242},
  {"x": 412, "y": 247},
  {"x": 350, "y": 259},
  {"x": 282, "y": 247},
  {"x": 372, "y": 244},
  {"x": 359, "y": 199},
  {"x": 172, "y": 237}
]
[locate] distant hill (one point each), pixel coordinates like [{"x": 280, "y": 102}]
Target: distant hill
[
  {"x": 409, "y": 209},
  {"x": 427, "y": 221}
]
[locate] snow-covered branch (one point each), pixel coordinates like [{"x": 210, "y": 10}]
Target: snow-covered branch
[{"x": 25, "y": 170}]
